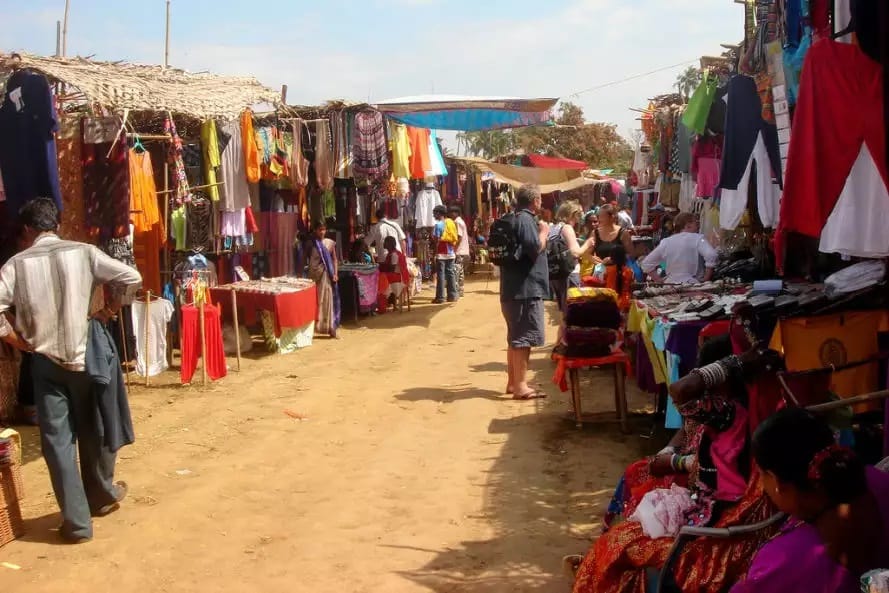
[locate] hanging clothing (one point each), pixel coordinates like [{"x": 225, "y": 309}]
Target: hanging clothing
[
  {"x": 106, "y": 189},
  {"x": 190, "y": 333},
  {"x": 70, "y": 145},
  {"x": 235, "y": 191},
  {"x": 178, "y": 227},
  {"x": 839, "y": 111},
  {"x": 299, "y": 164},
  {"x": 401, "y": 150},
  {"x": 749, "y": 142},
  {"x": 175, "y": 158},
  {"x": 698, "y": 108},
  {"x": 857, "y": 226},
  {"x": 420, "y": 161},
  {"x": 160, "y": 313},
  {"x": 427, "y": 200},
  {"x": 250, "y": 147},
  {"x": 438, "y": 168},
  {"x": 369, "y": 146},
  {"x": 212, "y": 161},
  {"x": 323, "y": 156},
  {"x": 102, "y": 365},
  {"x": 28, "y": 160},
  {"x": 149, "y": 230},
  {"x": 341, "y": 127}
]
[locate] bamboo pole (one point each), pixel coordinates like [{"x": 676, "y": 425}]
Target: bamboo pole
[
  {"x": 202, "y": 320},
  {"x": 147, "y": 349},
  {"x": 237, "y": 328},
  {"x": 166, "y": 213},
  {"x": 65, "y": 28}
]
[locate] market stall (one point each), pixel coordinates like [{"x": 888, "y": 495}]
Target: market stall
[{"x": 286, "y": 308}]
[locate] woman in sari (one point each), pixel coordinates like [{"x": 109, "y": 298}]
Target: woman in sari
[
  {"x": 839, "y": 510},
  {"x": 713, "y": 463},
  {"x": 323, "y": 271}
]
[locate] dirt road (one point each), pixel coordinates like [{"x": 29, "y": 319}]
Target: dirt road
[{"x": 410, "y": 473}]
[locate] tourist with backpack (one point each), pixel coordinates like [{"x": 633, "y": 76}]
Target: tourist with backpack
[
  {"x": 562, "y": 254},
  {"x": 517, "y": 244},
  {"x": 447, "y": 238}
]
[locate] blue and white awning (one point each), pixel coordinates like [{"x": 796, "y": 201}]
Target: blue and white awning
[{"x": 468, "y": 114}]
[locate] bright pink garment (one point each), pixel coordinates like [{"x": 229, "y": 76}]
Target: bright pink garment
[
  {"x": 725, "y": 450},
  {"x": 708, "y": 177}
]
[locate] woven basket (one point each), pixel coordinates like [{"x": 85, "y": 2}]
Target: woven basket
[{"x": 12, "y": 525}]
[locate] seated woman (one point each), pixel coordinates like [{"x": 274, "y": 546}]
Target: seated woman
[
  {"x": 713, "y": 463},
  {"x": 359, "y": 254},
  {"x": 839, "y": 510},
  {"x": 394, "y": 268}
]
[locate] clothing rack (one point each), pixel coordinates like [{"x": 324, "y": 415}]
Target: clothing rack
[
  {"x": 148, "y": 136},
  {"x": 195, "y": 188},
  {"x": 305, "y": 121}
]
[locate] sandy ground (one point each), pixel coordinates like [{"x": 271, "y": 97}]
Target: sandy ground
[{"x": 411, "y": 473}]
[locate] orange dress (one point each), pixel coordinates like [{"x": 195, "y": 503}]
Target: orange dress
[
  {"x": 626, "y": 292},
  {"x": 420, "y": 161},
  {"x": 149, "y": 230},
  {"x": 251, "y": 150}
]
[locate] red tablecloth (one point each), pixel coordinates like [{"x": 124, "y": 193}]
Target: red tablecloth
[{"x": 291, "y": 309}]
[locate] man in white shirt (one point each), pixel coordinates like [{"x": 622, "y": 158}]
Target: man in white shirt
[
  {"x": 385, "y": 228},
  {"x": 680, "y": 253},
  {"x": 50, "y": 285},
  {"x": 625, "y": 219},
  {"x": 463, "y": 253}
]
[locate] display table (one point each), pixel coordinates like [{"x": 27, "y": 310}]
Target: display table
[
  {"x": 293, "y": 301},
  {"x": 668, "y": 330},
  {"x": 358, "y": 285}
]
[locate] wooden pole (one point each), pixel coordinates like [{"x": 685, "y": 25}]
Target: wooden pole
[
  {"x": 65, "y": 28},
  {"x": 167, "y": 39},
  {"x": 123, "y": 343},
  {"x": 283, "y": 94},
  {"x": 58, "y": 39},
  {"x": 147, "y": 348},
  {"x": 202, "y": 319},
  {"x": 237, "y": 328},
  {"x": 166, "y": 213}
]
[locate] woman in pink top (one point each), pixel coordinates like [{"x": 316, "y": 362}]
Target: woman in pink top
[{"x": 839, "y": 510}]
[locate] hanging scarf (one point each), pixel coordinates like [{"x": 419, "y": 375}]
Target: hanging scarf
[{"x": 181, "y": 192}]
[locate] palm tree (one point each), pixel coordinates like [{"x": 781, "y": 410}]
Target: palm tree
[{"x": 688, "y": 81}]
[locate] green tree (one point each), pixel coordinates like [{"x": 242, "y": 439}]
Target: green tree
[
  {"x": 688, "y": 81},
  {"x": 487, "y": 144}
]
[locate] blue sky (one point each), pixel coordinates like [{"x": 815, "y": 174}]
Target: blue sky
[{"x": 379, "y": 49}]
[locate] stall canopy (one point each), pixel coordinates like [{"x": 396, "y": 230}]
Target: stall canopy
[
  {"x": 548, "y": 180},
  {"x": 551, "y": 162},
  {"x": 468, "y": 114},
  {"x": 120, "y": 85}
]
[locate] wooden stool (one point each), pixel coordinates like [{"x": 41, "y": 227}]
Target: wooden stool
[{"x": 620, "y": 361}]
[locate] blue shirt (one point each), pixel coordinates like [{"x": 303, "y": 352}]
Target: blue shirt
[{"x": 528, "y": 276}]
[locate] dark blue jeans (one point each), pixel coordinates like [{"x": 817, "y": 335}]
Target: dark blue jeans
[
  {"x": 69, "y": 423},
  {"x": 446, "y": 275}
]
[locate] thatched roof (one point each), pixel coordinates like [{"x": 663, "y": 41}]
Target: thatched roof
[{"x": 121, "y": 85}]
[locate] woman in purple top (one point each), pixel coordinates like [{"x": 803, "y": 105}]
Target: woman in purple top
[{"x": 839, "y": 510}]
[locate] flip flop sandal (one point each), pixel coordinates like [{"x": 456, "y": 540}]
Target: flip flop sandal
[{"x": 536, "y": 394}]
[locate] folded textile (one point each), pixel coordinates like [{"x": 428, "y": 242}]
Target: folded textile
[
  {"x": 591, "y": 293},
  {"x": 855, "y": 277},
  {"x": 662, "y": 512},
  {"x": 596, "y": 313}
]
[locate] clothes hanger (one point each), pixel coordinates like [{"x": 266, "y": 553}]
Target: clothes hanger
[{"x": 137, "y": 144}]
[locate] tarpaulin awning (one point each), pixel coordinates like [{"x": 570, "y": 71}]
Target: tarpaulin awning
[
  {"x": 551, "y": 162},
  {"x": 548, "y": 180},
  {"x": 468, "y": 114}
]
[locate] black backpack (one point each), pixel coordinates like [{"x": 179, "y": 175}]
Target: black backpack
[
  {"x": 502, "y": 240},
  {"x": 559, "y": 258}
]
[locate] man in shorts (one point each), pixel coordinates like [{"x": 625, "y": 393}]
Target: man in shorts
[{"x": 524, "y": 283}]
